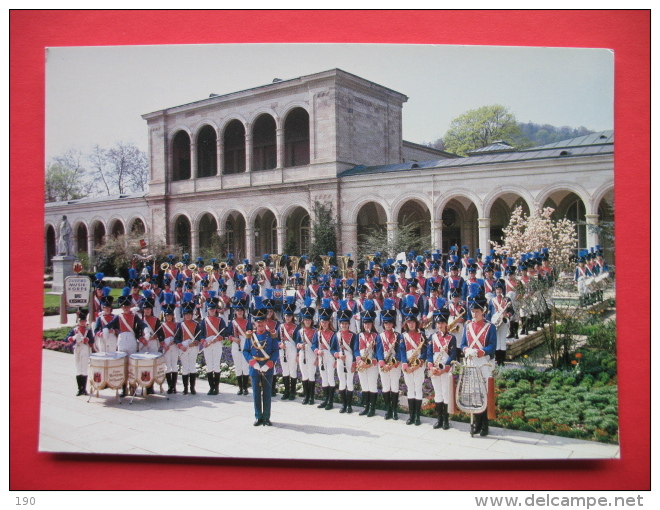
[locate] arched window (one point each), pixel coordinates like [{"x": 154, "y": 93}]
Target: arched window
[
  {"x": 296, "y": 138},
  {"x": 208, "y": 232},
  {"x": 264, "y": 150},
  {"x": 181, "y": 156},
  {"x": 576, "y": 213},
  {"x": 81, "y": 238},
  {"x": 117, "y": 229},
  {"x": 305, "y": 235},
  {"x": 234, "y": 147},
  {"x": 207, "y": 158},
  {"x": 137, "y": 227},
  {"x": 99, "y": 235},
  {"x": 50, "y": 245},
  {"x": 182, "y": 233}
]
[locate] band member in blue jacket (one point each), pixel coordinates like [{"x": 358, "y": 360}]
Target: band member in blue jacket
[
  {"x": 479, "y": 343},
  {"x": 440, "y": 353},
  {"x": 389, "y": 359},
  {"x": 324, "y": 345},
  {"x": 261, "y": 351},
  {"x": 346, "y": 343}
]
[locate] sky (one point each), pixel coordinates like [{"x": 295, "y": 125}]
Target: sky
[{"x": 96, "y": 95}]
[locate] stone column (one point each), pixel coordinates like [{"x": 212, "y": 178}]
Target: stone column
[
  {"x": 391, "y": 227},
  {"x": 220, "y": 155},
  {"x": 436, "y": 234},
  {"x": 281, "y": 239},
  {"x": 592, "y": 233},
  {"x": 248, "y": 150},
  {"x": 348, "y": 240},
  {"x": 279, "y": 146},
  {"x": 249, "y": 243},
  {"x": 90, "y": 249},
  {"x": 194, "y": 244},
  {"x": 193, "y": 160},
  {"x": 484, "y": 235}
]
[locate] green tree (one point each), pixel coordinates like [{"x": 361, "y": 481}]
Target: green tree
[
  {"x": 405, "y": 238},
  {"x": 324, "y": 231},
  {"x": 120, "y": 169},
  {"x": 479, "y": 128},
  {"x": 115, "y": 256},
  {"x": 66, "y": 177}
]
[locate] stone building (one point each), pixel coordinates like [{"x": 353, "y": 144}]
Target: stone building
[{"x": 249, "y": 166}]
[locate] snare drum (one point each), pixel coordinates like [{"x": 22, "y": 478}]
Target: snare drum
[
  {"x": 146, "y": 368},
  {"x": 107, "y": 370}
]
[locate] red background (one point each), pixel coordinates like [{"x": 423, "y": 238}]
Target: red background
[{"x": 626, "y": 32}]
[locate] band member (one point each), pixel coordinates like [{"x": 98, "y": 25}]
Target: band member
[
  {"x": 261, "y": 352},
  {"x": 105, "y": 341},
  {"x": 478, "y": 343},
  {"x": 580, "y": 276},
  {"x": 435, "y": 280},
  {"x": 237, "y": 331},
  {"x": 500, "y": 311},
  {"x": 412, "y": 355},
  {"x": 272, "y": 325},
  {"x": 389, "y": 359},
  {"x": 213, "y": 332},
  {"x": 306, "y": 360},
  {"x": 300, "y": 293},
  {"x": 169, "y": 348},
  {"x": 187, "y": 338},
  {"x": 511, "y": 291},
  {"x": 313, "y": 289},
  {"x": 97, "y": 306},
  {"x": 324, "y": 345},
  {"x": 489, "y": 281},
  {"x": 365, "y": 357},
  {"x": 427, "y": 323},
  {"x": 455, "y": 282},
  {"x": 419, "y": 300},
  {"x": 151, "y": 331},
  {"x": 288, "y": 359},
  {"x": 457, "y": 313},
  {"x": 82, "y": 339},
  {"x": 346, "y": 344},
  {"x": 440, "y": 353}
]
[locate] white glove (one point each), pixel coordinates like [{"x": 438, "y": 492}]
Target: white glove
[
  {"x": 264, "y": 368},
  {"x": 78, "y": 337},
  {"x": 469, "y": 352},
  {"x": 186, "y": 343},
  {"x": 106, "y": 333}
]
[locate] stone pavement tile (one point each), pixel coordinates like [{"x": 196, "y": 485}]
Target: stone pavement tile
[
  {"x": 300, "y": 450},
  {"x": 462, "y": 452},
  {"x": 404, "y": 454},
  {"x": 52, "y": 444},
  {"x": 416, "y": 445},
  {"x": 580, "y": 446},
  {"x": 179, "y": 450},
  {"x": 516, "y": 436},
  {"x": 529, "y": 451}
]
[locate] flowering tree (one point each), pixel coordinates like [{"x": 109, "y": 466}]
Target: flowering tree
[{"x": 532, "y": 233}]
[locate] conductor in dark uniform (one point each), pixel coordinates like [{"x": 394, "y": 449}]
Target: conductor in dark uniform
[{"x": 261, "y": 351}]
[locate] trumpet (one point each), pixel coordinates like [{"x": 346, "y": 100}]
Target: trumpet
[{"x": 164, "y": 266}]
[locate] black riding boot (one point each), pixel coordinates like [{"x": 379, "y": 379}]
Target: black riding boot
[
  {"x": 387, "y": 397},
  {"x": 372, "y": 407},
  {"x": 418, "y": 412},
  {"x": 185, "y": 384},
  {"x": 326, "y": 392},
  {"x": 168, "y": 378},
  {"x": 394, "y": 398},
  {"x": 175, "y": 376},
  {"x": 83, "y": 379},
  {"x": 246, "y": 385},
  {"x": 211, "y": 379},
  {"x": 484, "y": 424},
  {"x": 349, "y": 402},
  {"x": 440, "y": 411},
  {"x": 445, "y": 416},
  {"x": 274, "y": 386},
  {"x": 193, "y": 377},
  {"x": 366, "y": 396},
  {"x": 293, "y": 385},
  {"x": 331, "y": 398},
  {"x": 305, "y": 388},
  {"x": 477, "y": 423},
  {"x": 78, "y": 384},
  {"x": 312, "y": 389},
  {"x": 287, "y": 383},
  {"x": 342, "y": 397},
  {"x": 412, "y": 407}
]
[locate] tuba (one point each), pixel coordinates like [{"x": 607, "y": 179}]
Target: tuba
[
  {"x": 276, "y": 261},
  {"x": 342, "y": 261},
  {"x": 208, "y": 269},
  {"x": 178, "y": 265},
  {"x": 164, "y": 266},
  {"x": 326, "y": 263}
]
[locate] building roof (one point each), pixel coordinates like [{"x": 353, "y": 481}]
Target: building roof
[
  {"x": 589, "y": 145},
  {"x": 93, "y": 200}
]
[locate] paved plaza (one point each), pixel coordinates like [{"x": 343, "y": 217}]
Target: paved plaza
[{"x": 221, "y": 426}]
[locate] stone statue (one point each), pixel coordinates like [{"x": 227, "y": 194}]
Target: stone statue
[{"x": 64, "y": 245}]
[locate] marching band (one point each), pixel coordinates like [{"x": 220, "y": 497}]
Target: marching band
[{"x": 415, "y": 316}]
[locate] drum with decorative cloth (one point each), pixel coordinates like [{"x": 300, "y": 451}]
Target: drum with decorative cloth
[
  {"x": 146, "y": 369},
  {"x": 107, "y": 370}
]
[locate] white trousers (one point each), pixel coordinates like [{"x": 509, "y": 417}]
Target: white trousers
[
  {"x": 327, "y": 368},
  {"x": 127, "y": 343},
  {"x": 390, "y": 380},
  {"x": 189, "y": 360},
  {"x": 240, "y": 363},
  {"x": 171, "y": 356},
  {"x": 107, "y": 344},
  {"x": 212, "y": 356},
  {"x": 369, "y": 379},
  {"x": 81, "y": 354},
  {"x": 290, "y": 366},
  {"x": 414, "y": 382},
  {"x": 442, "y": 387},
  {"x": 152, "y": 346},
  {"x": 306, "y": 358},
  {"x": 502, "y": 332},
  {"x": 345, "y": 376}
]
